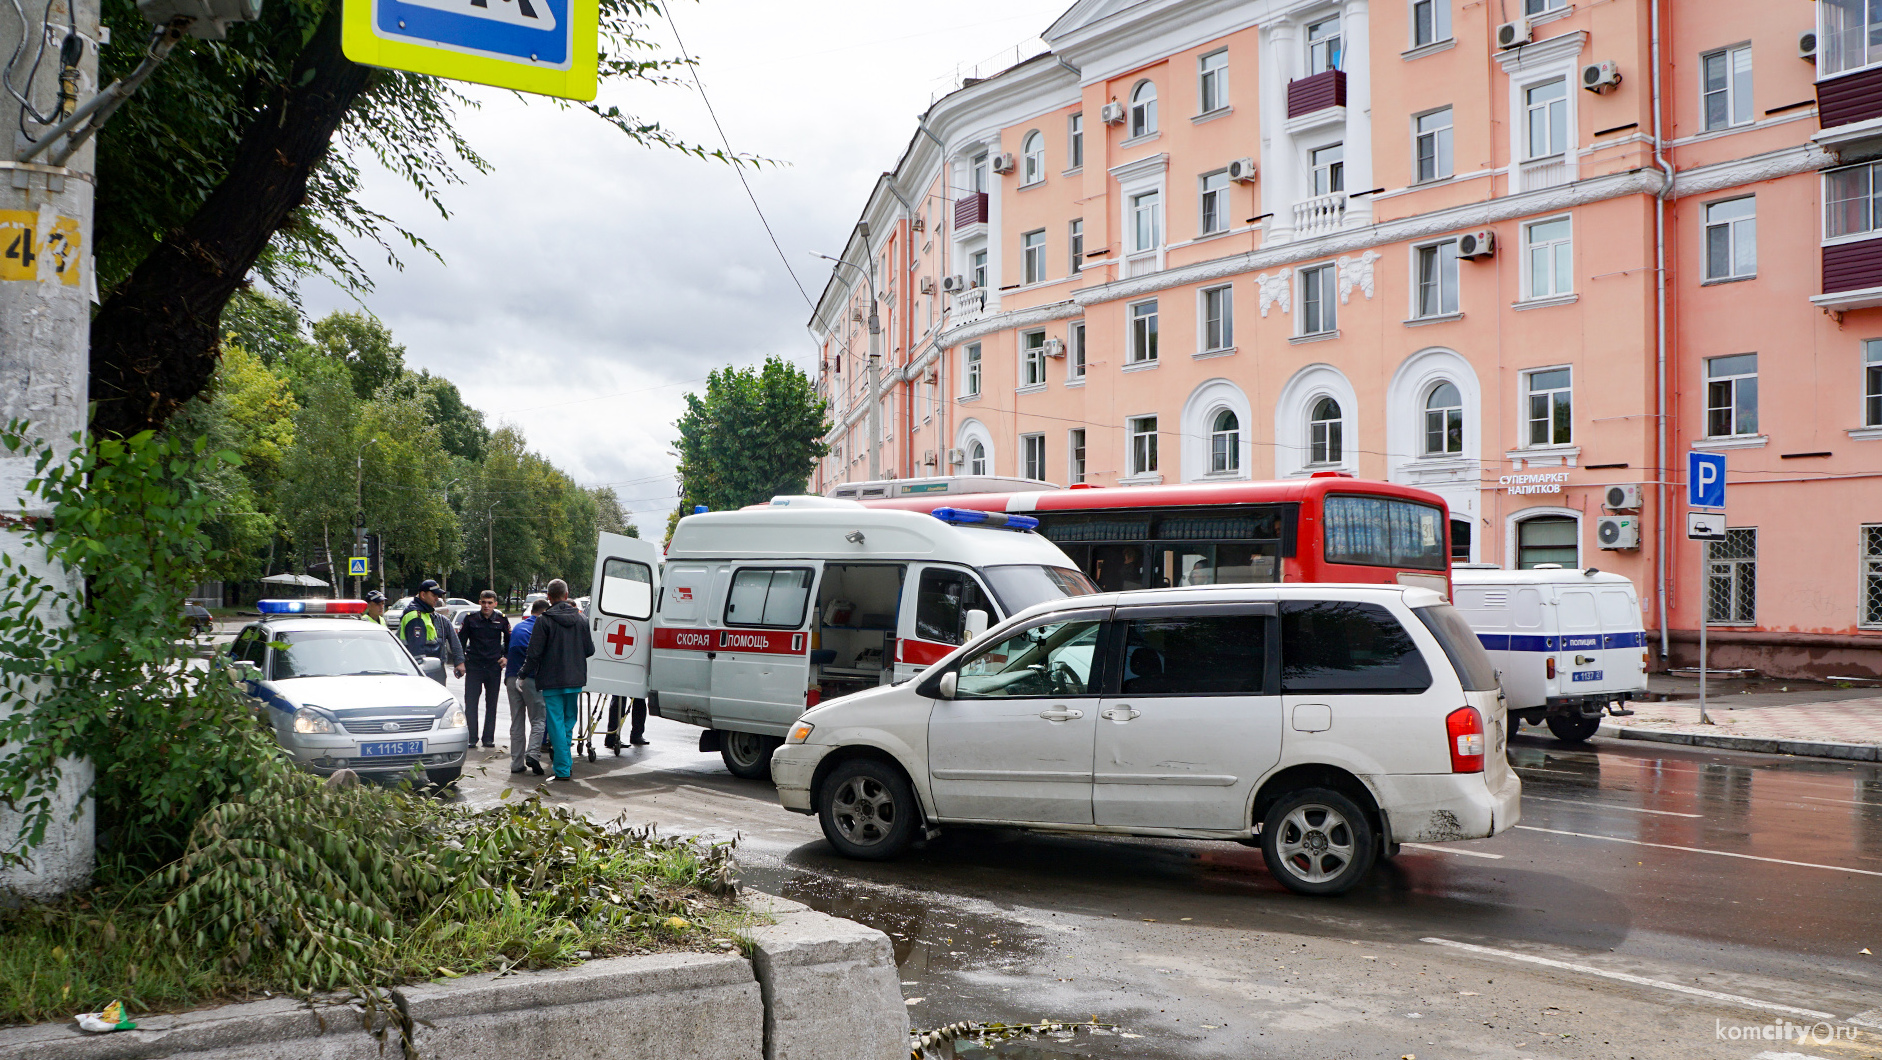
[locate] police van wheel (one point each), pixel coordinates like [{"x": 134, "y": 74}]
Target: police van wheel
[
  {"x": 1573, "y": 730},
  {"x": 747, "y": 754}
]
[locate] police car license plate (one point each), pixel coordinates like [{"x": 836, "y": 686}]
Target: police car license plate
[
  {"x": 392, "y": 747},
  {"x": 1588, "y": 675}
]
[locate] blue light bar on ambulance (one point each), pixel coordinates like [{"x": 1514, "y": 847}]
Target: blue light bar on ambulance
[
  {"x": 970, "y": 517},
  {"x": 311, "y": 607}
]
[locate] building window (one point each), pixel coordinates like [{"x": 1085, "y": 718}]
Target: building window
[
  {"x": 1032, "y": 456},
  {"x": 1437, "y": 279},
  {"x": 1531, "y": 8},
  {"x": 1732, "y": 239},
  {"x": 980, "y": 172},
  {"x": 1143, "y": 109},
  {"x": 1872, "y": 575},
  {"x": 1146, "y": 220},
  {"x": 1732, "y": 395},
  {"x": 1225, "y": 444},
  {"x": 1324, "y": 429},
  {"x": 1032, "y": 153},
  {"x": 1032, "y": 359},
  {"x": 976, "y": 458},
  {"x": 1551, "y": 404},
  {"x": 1550, "y": 245},
  {"x": 1732, "y": 577},
  {"x": 1848, "y": 207},
  {"x": 1215, "y": 202},
  {"x": 972, "y": 375},
  {"x": 1431, "y": 145},
  {"x": 1548, "y": 539},
  {"x": 1143, "y": 333},
  {"x": 1872, "y": 383},
  {"x": 1317, "y": 315},
  {"x": 1444, "y": 421},
  {"x": 1430, "y": 21},
  {"x": 1076, "y": 239},
  {"x": 1075, "y": 140},
  {"x": 1075, "y": 357},
  {"x": 1032, "y": 254},
  {"x": 1323, "y": 46},
  {"x": 1143, "y": 443},
  {"x": 1212, "y": 75},
  {"x": 1218, "y": 318},
  {"x": 1726, "y": 86},
  {"x": 1075, "y": 456},
  {"x": 1851, "y": 36},
  {"x": 1329, "y": 169},
  {"x": 1546, "y": 117},
  {"x": 1460, "y": 540},
  {"x": 977, "y": 269}
]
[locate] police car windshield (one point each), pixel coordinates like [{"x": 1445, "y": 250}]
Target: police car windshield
[
  {"x": 337, "y": 653},
  {"x": 1022, "y": 585}
]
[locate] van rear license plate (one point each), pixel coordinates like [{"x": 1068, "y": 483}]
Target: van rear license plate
[
  {"x": 392, "y": 747},
  {"x": 1587, "y": 675}
]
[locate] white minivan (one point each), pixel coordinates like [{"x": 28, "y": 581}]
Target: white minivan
[
  {"x": 1569, "y": 644},
  {"x": 1329, "y": 723}
]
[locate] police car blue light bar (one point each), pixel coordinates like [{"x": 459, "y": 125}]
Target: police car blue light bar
[
  {"x": 970, "y": 517},
  {"x": 311, "y": 607}
]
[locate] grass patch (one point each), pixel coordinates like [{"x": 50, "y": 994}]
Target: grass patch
[{"x": 298, "y": 888}]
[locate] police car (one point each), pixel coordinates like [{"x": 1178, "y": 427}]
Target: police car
[{"x": 341, "y": 693}]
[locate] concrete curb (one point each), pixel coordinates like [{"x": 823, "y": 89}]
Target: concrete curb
[
  {"x": 1850, "y": 752},
  {"x": 831, "y": 988}
]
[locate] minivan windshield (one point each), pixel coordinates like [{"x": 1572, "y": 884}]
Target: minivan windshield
[
  {"x": 1461, "y": 646},
  {"x": 343, "y": 651},
  {"x": 1021, "y": 585}
]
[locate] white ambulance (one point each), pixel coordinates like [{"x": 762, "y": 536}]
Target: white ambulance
[
  {"x": 761, "y": 613},
  {"x": 1569, "y": 644}
]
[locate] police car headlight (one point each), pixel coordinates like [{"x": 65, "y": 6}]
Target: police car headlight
[
  {"x": 454, "y": 720},
  {"x": 308, "y": 720}
]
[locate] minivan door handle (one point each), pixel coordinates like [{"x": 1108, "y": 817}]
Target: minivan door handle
[
  {"x": 1061, "y": 714},
  {"x": 1118, "y": 713}
]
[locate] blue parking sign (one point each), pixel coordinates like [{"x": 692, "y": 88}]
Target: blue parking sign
[{"x": 1705, "y": 480}]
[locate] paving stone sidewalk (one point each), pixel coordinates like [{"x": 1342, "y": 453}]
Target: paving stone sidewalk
[{"x": 1848, "y": 728}]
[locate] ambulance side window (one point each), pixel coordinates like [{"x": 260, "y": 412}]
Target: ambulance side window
[
  {"x": 942, "y": 602},
  {"x": 773, "y": 597}
]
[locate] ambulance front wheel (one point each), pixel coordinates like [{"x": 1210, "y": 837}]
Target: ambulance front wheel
[{"x": 747, "y": 754}]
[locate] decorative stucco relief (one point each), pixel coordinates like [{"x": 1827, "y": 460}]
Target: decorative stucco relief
[
  {"x": 1274, "y": 289},
  {"x": 1356, "y": 272}
]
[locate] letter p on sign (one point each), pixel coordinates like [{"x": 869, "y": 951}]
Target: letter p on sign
[{"x": 1705, "y": 480}]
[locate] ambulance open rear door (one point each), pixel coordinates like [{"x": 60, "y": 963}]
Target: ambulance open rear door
[{"x": 621, "y": 619}]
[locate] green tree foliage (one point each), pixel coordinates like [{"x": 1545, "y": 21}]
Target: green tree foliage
[
  {"x": 248, "y": 414},
  {"x": 364, "y": 345},
  {"x": 266, "y": 326},
  {"x": 610, "y": 517},
  {"x": 755, "y": 434},
  {"x": 460, "y": 428}
]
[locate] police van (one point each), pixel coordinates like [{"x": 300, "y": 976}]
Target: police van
[
  {"x": 759, "y": 614},
  {"x": 1570, "y": 644}
]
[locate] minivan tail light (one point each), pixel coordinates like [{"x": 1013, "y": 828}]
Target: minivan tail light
[
  {"x": 1464, "y": 726},
  {"x": 1550, "y": 667}
]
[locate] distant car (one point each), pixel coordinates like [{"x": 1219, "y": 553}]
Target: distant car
[
  {"x": 397, "y": 611},
  {"x": 199, "y": 618},
  {"x": 345, "y": 694},
  {"x": 581, "y": 604},
  {"x": 457, "y": 605}
]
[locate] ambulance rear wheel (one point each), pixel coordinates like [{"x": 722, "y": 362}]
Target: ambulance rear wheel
[
  {"x": 747, "y": 754},
  {"x": 1573, "y": 730}
]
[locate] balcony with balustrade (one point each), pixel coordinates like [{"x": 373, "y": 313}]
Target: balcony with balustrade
[{"x": 1319, "y": 215}]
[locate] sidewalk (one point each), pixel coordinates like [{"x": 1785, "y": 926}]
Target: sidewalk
[{"x": 1773, "y": 717}]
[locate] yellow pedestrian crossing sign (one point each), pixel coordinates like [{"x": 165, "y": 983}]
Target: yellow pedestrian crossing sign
[
  {"x": 356, "y": 566},
  {"x": 548, "y": 47}
]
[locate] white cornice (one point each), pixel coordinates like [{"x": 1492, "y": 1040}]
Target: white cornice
[
  {"x": 1527, "y": 58},
  {"x": 1138, "y": 169},
  {"x": 1117, "y": 42}
]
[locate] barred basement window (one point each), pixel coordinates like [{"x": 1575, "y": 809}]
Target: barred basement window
[
  {"x": 1872, "y": 575},
  {"x": 1732, "y": 578}
]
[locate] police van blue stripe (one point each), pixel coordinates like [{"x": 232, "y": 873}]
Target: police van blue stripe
[{"x": 1518, "y": 642}]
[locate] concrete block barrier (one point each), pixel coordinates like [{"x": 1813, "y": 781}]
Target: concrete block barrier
[{"x": 831, "y": 987}]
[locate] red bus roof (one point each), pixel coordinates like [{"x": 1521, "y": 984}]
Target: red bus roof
[{"x": 1173, "y": 495}]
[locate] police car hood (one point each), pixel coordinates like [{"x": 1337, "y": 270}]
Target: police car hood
[{"x": 392, "y": 693}]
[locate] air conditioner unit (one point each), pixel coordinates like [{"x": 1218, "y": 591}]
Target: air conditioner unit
[
  {"x": 1055, "y": 348},
  {"x": 856, "y": 317},
  {"x": 927, "y": 285},
  {"x": 1510, "y": 34},
  {"x": 919, "y": 224},
  {"x": 1622, "y": 497},
  {"x": 1003, "y": 162},
  {"x": 928, "y": 458},
  {"x": 1599, "y": 77},
  {"x": 1111, "y": 113},
  {"x": 1479, "y": 244},
  {"x": 1807, "y": 45},
  {"x": 952, "y": 284},
  {"x": 957, "y": 457},
  {"x": 1618, "y": 531},
  {"x": 1242, "y": 169}
]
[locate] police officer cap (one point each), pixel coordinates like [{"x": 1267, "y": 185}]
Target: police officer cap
[
  {"x": 374, "y": 596},
  {"x": 430, "y": 586}
]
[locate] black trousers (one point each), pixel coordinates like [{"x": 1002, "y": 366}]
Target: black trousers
[
  {"x": 485, "y": 681},
  {"x": 637, "y": 727}
]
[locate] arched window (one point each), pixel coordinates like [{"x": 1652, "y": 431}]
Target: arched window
[
  {"x": 1225, "y": 443},
  {"x": 1323, "y": 433},
  {"x": 976, "y": 459},
  {"x": 1143, "y": 109},
  {"x": 1444, "y": 420},
  {"x": 1548, "y": 539},
  {"x": 1033, "y": 154}
]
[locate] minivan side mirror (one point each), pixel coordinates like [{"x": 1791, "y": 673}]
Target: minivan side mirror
[
  {"x": 976, "y": 622},
  {"x": 948, "y": 685}
]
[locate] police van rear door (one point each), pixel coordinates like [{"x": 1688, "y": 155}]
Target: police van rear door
[{"x": 621, "y": 615}]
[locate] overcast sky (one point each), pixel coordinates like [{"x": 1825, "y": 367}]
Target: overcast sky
[{"x": 588, "y": 283}]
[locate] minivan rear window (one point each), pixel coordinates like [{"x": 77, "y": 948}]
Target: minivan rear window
[
  {"x": 1344, "y": 647},
  {"x": 1461, "y": 646}
]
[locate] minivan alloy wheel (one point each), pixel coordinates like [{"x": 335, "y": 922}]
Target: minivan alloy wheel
[
  {"x": 865, "y": 810},
  {"x": 868, "y": 810},
  {"x": 1317, "y": 842}
]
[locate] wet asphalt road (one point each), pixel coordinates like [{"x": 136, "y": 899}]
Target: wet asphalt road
[{"x": 1733, "y": 889}]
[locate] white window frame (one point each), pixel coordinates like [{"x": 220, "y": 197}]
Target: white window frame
[
  {"x": 977, "y": 271},
  {"x": 1528, "y": 264},
  {"x": 1830, "y": 57},
  {"x": 1532, "y": 8},
  {"x": 1440, "y": 21},
  {"x": 977, "y": 457},
  {"x": 1872, "y": 383},
  {"x": 1075, "y": 141},
  {"x": 1032, "y": 158},
  {"x": 1032, "y": 457},
  {"x": 1075, "y": 351},
  {"x": 970, "y": 370},
  {"x": 1325, "y": 283},
  {"x": 1225, "y": 447},
  {"x": 1146, "y": 213},
  {"x": 1212, "y": 82},
  {"x": 1736, "y": 231},
  {"x": 978, "y": 178},
  {"x": 1446, "y": 284},
  {"x": 1326, "y": 53},
  {"x": 1736, "y": 95},
  {"x": 1032, "y": 359},
  {"x": 1425, "y": 412},
  {"x": 1548, "y": 108},
  {"x": 1212, "y": 202},
  {"x": 1872, "y": 176},
  {"x": 1217, "y": 331},
  {"x": 1135, "y": 179},
  {"x": 1513, "y": 529},
  {"x": 1143, "y": 110},
  {"x": 1140, "y": 439},
  {"x": 1142, "y": 337},
  {"x": 1335, "y": 169},
  {"x": 1075, "y": 244},
  {"x": 1734, "y": 384},
  {"x": 1528, "y": 391},
  {"x": 1032, "y": 255},
  {"x": 1326, "y": 434},
  {"x": 1442, "y": 166},
  {"x": 1075, "y": 456}
]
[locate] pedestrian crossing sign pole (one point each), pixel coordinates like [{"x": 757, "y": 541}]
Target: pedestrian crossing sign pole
[{"x": 547, "y": 47}]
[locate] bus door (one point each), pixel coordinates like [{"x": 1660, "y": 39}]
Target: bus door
[
  {"x": 761, "y": 656},
  {"x": 621, "y": 616}
]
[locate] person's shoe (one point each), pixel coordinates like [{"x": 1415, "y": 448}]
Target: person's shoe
[
  {"x": 639, "y": 741},
  {"x": 518, "y": 769},
  {"x": 535, "y": 767},
  {"x": 561, "y": 780},
  {"x": 487, "y": 746}
]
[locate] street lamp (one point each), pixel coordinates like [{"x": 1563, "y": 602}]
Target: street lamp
[{"x": 875, "y": 357}]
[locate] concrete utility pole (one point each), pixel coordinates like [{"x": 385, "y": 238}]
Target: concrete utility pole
[{"x": 46, "y": 287}]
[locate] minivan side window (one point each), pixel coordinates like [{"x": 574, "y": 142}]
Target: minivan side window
[
  {"x": 1461, "y": 645},
  {"x": 942, "y": 602},
  {"x": 1196, "y": 655},
  {"x": 1344, "y": 647},
  {"x": 1056, "y": 659},
  {"x": 775, "y": 597}
]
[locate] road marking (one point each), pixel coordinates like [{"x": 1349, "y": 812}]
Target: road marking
[
  {"x": 1637, "y": 980},
  {"x": 1610, "y": 806},
  {"x": 1450, "y": 850},
  {"x": 1701, "y": 850},
  {"x": 1846, "y": 802},
  {"x": 1539, "y": 769}
]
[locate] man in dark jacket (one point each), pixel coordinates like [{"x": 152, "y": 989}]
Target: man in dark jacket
[
  {"x": 557, "y": 660},
  {"x": 486, "y": 636}
]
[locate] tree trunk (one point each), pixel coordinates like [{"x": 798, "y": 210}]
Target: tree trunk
[{"x": 154, "y": 342}]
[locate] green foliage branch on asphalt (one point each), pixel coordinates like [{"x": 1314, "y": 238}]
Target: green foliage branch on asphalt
[{"x": 756, "y": 433}]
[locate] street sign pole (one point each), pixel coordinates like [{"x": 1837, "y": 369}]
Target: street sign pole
[
  {"x": 1705, "y": 608},
  {"x": 1705, "y": 488}
]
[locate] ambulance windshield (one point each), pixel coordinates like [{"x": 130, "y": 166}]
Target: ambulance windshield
[{"x": 1021, "y": 585}]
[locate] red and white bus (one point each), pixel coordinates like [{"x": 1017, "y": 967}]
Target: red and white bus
[{"x": 1325, "y": 528}]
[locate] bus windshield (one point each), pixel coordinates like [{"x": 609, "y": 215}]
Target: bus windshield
[{"x": 1021, "y": 585}]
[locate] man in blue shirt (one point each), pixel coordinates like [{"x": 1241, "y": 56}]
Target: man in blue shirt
[{"x": 527, "y": 716}]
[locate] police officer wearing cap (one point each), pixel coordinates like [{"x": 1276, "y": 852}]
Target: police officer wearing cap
[
  {"x": 425, "y": 632},
  {"x": 375, "y": 607}
]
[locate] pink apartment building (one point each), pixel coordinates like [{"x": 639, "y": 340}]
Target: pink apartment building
[{"x": 1507, "y": 251}]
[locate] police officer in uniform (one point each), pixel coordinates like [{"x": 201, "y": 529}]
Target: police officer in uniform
[
  {"x": 426, "y": 632},
  {"x": 375, "y": 607}
]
